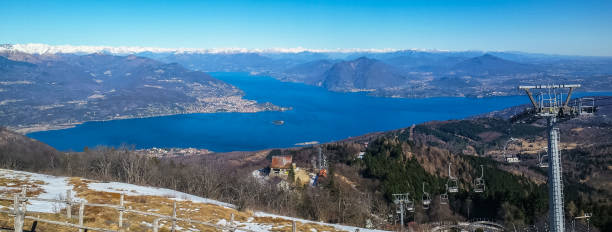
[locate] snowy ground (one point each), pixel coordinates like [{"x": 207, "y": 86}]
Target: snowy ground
[
  {"x": 137, "y": 190},
  {"x": 337, "y": 226},
  {"x": 55, "y": 187}
]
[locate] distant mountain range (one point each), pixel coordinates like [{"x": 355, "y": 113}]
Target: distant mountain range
[
  {"x": 389, "y": 73},
  {"x": 59, "y": 90}
]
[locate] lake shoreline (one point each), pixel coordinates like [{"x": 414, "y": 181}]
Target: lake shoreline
[
  {"x": 317, "y": 115},
  {"x": 51, "y": 127}
]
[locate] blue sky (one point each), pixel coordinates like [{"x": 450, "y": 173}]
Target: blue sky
[{"x": 558, "y": 27}]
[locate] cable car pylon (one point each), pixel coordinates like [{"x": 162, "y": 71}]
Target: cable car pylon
[{"x": 552, "y": 106}]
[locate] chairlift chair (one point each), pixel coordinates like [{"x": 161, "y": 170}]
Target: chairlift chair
[
  {"x": 444, "y": 197},
  {"x": 409, "y": 205},
  {"x": 426, "y": 198},
  {"x": 479, "y": 183},
  {"x": 543, "y": 159},
  {"x": 452, "y": 186},
  {"x": 510, "y": 158}
]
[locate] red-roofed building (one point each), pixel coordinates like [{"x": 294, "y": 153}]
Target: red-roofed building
[{"x": 280, "y": 165}]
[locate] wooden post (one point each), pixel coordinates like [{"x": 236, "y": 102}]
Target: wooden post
[
  {"x": 81, "y": 211},
  {"x": 23, "y": 191},
  {"x": 68, "y": 204},
  {"x": 19, "y": 214},
  {"x": 293, "y": 226},
  {"x": 232, "y": 222},
  {"x": 156, "y": 225},
  {"x": 34, "y": 224},
  {"x": 174, "y": 216},
  {"x": 121, "y": 212}
]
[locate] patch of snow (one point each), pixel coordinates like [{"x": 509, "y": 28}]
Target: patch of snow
[
  {"x": 48, "y": 107},
  {"x": 259, "y": 176},
  {"x": 136, "y": 190},
  {"x": 4, "y": 102},
  {"x": 174, "y": 80},
  {"x": 54, "y": 187},
  {"x": 16, "y": 82},
  {"x": 95, "y": 96},
  {"x": 79, "y": 102},
  {"x": 6, "y": 189},
  {"x": 246, "y": 225},
  {"x": 337, "y": 226},
  {"x": 154, "y": 86},
  {"x": 147, "y": 224}
]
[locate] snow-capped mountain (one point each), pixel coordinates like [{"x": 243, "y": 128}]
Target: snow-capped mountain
[{"x": 34, "y": 48}]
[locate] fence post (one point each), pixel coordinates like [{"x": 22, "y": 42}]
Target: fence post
[
  {"x": 174, "y": 216},
  {"x": 121, "y": 212},
  {"x": 23, "y": 205},
  {"x": 156, "y": 225},
  {"x": 81, "y": 211},
  {"x": 293, "y": 226},
  {"x": 19, "y": 215},
  {"x": 68, "y": 204},
  {"x": 232, "y": 222}
]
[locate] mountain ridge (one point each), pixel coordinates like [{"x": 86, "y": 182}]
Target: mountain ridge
[
  {"x": 488, "y": 64},
  {"x": 361, "y": 74},
  {"x": 67, "y": 89},
  {"x": 493, "y": 73}
]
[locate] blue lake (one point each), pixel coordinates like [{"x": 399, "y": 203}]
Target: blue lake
[{"x": 317, "y": 115}]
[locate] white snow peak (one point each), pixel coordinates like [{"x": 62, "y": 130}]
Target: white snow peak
[{"x": 36, "y": 48}]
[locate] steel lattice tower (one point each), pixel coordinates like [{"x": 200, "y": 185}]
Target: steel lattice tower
[
  {"x": 555, "y": 179},
  {"x": 551, "y": 105}
]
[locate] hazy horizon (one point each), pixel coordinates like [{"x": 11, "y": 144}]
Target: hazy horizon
[{"x": 41, "y": 48}]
